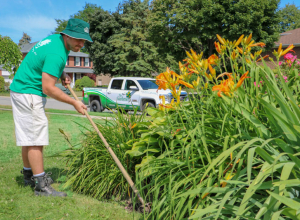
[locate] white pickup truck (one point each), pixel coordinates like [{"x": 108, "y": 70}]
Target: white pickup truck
[{"x": 128, "y": 93}]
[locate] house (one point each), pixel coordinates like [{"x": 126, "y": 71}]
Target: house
[
  {"x": 286, "y": 38},
  {"x": 77, "y": 66},
  {"x": 5, "y": 74}
]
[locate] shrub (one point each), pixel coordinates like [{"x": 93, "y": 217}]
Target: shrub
[
  {"x": 2, "y": 84},
  {"x": 84, "y": 82},
  {"x": 77, "y": 85},
  {"x": 7, "y": 84}
]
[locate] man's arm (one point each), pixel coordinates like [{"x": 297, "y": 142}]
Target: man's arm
[{"x": 49, "y": 88}]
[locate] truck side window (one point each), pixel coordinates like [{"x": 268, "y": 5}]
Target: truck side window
[
  {"x": 117, "y": 84},
  {"x": 129, "y": 83}
]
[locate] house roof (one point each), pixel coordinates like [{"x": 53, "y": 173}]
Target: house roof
[
  {"x": 27, "y": 47},
  {"x": 78, "y": 70},
  {"x": 289, "y": 37}
]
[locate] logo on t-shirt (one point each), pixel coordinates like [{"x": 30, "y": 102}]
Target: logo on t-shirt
[{"x": 42, "y": 43}]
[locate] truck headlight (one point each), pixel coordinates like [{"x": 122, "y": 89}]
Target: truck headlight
[{"x": 168, "y": 98}]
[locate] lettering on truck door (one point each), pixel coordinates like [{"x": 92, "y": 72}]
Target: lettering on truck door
[
  {"x": 113, "y": 93},
  {"x": 130, "y": 95}
]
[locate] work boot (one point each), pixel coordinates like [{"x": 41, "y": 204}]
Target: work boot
[
  {"x": 43, "y": 188},
  {"x": 27, "y": 178}
]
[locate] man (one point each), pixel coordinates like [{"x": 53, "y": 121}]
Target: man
[{"x": 34, "y": 80}]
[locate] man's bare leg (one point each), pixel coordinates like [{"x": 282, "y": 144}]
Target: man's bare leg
[{"x": 33, "y": 157}]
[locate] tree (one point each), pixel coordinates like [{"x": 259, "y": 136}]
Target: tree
[
  {"x": 85, "y": 14},
  {"x": 181, "y": 25},
  {"x": 10, "y": 54},
  {"x": 103, "y": 25},
  {"x": 26, "y": 39},
  {"x": 289, "y": 18},
  {"x": 122, "y": 37}
]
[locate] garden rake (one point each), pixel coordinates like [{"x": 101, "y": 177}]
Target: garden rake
[{"x": 146, "y": 207}]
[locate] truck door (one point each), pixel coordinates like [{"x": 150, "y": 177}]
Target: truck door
[
  {"x": 114, "y": 92},
  {"x": 131, "y": 95}
]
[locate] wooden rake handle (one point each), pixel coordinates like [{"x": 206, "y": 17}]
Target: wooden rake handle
[{"x": 116, "y": 159}]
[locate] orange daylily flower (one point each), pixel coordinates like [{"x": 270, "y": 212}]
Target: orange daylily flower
[
  {"x": 212, "y": 58},
  {"x": 287, "y": 50},
  {"x": 234, "y": 55},
  {"x": 240, "y": 50},
  {"x": 222, "y": 41},
  {"x": 186, "y": 84},
  {"x": 262, "y": 58},
  {"x": 227, "y": 86},
  {"x": 239, "y": 40},
  {"x": 212, "y": 70},
  {"x": 196, "y": 83},
  {"x": 164, "y": 106},
  {"x": 218, "y": 47},
  {"x": 240, "y": 82},
  {"x": 248, "y": 39},
  {"x": 280, "y": 52},
  {"x": 261, "y": 44}
]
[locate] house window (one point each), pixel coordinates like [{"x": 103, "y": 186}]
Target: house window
[
  {"x": 67, "y": 64},
  {"x": 77, "y": 61},
  {"x": 86, "y": 61}
]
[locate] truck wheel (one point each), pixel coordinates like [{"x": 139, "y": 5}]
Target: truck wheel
[
  {"x": 95, "y": 106},
  {"x": 150, "y": 104}
]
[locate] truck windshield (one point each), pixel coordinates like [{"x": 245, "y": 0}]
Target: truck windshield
[{"x": 148, "y": 84}]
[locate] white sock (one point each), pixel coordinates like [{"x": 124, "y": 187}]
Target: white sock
[
  {"x": 40, "y": 174},
  {"x": 26, "y": 168}
]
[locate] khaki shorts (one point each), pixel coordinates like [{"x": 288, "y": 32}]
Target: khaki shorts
[{"x": 31, "y": 123}]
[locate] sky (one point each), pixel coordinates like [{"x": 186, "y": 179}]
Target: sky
[{"x": 37, "y": 17}]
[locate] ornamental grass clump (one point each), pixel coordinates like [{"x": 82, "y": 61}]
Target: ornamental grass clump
[
  {"x": 90, "y": 168},
  {"x": 231, "y": 151}
]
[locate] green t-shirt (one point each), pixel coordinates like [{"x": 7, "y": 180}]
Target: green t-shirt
[{"x": 50, "y": 56}]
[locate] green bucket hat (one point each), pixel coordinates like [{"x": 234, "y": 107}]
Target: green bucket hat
[{"x": 78, "y": 29}]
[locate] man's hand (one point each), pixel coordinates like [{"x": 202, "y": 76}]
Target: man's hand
[
  {"x": 79, "y": 106},
  {"x": 65, "y": 79}
]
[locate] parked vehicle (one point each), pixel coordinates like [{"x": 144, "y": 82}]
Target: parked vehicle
[
  {"x": 65, "y": 90},
  {"x": 128, "y": 93}
]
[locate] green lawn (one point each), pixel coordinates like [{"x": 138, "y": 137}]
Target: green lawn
[
  {"x": 18, "y": 202},
  {"x": 100, "y": 114}
]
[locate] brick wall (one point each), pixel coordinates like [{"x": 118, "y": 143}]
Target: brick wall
[
  {"x": 0, "y": 72},
  {"x": 72, "y": 63}
]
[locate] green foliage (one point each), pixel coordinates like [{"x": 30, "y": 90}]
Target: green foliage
[
  {"x": 178, "y": 26},
  {"x": 14, "y": 195},
  {"x": 289, "y": 18},
  {"x": 121, "y": 45},
  {"x": 85, "y": 14},
  {"x": 91, "y": 169},
  {"x": 26, "y": 39},
  {"x": 77, "y": 85},
  {"x": 10, "y": 54},
  {"x": 2, "y": 84},
  {"x": 84, "y": 82}
]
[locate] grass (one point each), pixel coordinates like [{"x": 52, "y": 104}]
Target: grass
[
  {"x": 100, "y": 114},
  {"x": 5, "y": 93},
  {"x": 18, "y": 202}
]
